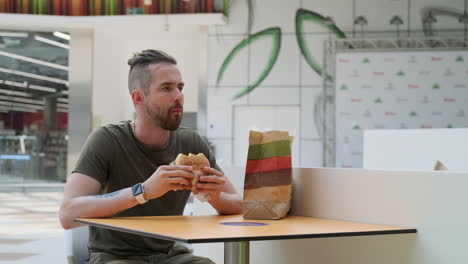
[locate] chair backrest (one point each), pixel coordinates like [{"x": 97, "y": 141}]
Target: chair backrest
[{"x": 76, "y": 245}]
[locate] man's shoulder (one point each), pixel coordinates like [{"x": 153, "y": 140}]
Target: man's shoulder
[
  {"x": 111, "y": 130},
  {"x": 114, "y": 128}
]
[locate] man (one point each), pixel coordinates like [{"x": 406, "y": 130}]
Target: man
[{"x": 118, "y": 161}]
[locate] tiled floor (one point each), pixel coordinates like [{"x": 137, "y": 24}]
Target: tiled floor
[{"x": 29, "y": 228}]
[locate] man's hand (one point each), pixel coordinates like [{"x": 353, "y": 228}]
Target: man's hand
[
  {"x": 211, "y": 182},
  {"x": 167, "y": 178}
]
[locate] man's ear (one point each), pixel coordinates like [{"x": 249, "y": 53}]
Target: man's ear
[{"x": 137, "y": 97}]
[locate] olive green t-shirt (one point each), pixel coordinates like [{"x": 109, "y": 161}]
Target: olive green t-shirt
[{"x": 113, "y": 156}]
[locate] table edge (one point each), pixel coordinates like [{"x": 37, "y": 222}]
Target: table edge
[{"x": 254, "y": 238}]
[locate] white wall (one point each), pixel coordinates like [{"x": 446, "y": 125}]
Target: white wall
[
  {"x": 114, "y": 45},
  {"x": 292, "y": 81}
]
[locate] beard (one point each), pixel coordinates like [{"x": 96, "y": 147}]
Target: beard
[{"x": 163, "y": 119}]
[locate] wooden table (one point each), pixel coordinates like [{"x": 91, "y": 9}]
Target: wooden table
[{"x": 236, "y": 238}]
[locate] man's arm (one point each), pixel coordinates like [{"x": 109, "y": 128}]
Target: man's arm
[
  {"x": 81, "y": 199},
  {"x": 225, "y": 198}
]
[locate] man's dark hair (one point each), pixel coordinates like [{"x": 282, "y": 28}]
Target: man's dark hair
[{"x": 139, "y": 76}]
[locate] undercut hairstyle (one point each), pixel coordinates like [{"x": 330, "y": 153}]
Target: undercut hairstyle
[{"x": 139, "y": 76}]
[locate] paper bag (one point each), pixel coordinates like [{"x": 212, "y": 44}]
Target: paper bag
[{"x": 268, "y": 175}]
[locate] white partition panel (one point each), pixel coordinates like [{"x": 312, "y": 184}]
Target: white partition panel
[
  {"x": 416, "y": 149},
  {"x": 433, "y": 202}
]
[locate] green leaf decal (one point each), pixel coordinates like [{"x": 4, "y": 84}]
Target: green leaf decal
[
  {"x": 303, "y": 15},
  {"x": 412, "y": 113},
  {"x": 436, "y": 86},
  {"x": 275, "y": 34},
  {"x": 459, "y": 59},
  {"x": 356, "y": 127},
  {"x": 378, "y": 100}
]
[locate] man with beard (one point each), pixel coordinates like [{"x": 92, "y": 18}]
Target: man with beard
[{"x": 123, "y": 169}]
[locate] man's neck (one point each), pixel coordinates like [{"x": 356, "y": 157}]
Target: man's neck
[{"x": 150, "y": 134}]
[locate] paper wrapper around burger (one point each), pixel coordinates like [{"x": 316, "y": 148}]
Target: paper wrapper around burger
[
  {"x": 268, "y": 176},
  {"x": 197, "y": 162}
]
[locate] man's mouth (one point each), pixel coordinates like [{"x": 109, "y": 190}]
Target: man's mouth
[{"x": 177, "y": 110}]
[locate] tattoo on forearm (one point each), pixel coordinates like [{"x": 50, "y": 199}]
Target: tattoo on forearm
[{"x": 106, "y": 195}]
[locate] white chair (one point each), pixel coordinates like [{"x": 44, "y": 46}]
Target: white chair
[{"x": 76, "y": 245}]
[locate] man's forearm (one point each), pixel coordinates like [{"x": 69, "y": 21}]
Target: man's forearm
[
  {"x": 228, "y": 203},
  {"x": 96, "y": 206}
]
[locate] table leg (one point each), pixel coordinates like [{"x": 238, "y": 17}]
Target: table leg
[{"x": 236, "y": 252}]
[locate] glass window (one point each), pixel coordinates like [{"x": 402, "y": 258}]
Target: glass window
[{"x": 33, "y": 106}]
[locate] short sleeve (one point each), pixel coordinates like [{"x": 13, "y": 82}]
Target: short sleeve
[{"x": 96, "y": 156}]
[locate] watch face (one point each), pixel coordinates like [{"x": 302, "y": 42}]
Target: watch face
[{"x": 137, "y": 189}]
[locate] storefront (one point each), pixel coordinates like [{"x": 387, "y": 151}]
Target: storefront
[{"x": 33, "y": 107}]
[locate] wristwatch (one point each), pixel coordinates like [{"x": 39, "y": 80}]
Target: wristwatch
[{"x": 138, "y": 192}]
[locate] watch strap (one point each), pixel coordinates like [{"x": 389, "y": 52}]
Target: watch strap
[{"x": 138, "y": 192}]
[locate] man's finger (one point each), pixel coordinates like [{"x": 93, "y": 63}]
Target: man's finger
[
  {"x": 176, "y": 186},
  {"x": 177, "y": 167},
  {"x": 212, "y": 171},
  {"x": 211, "y": 178},
  {"x": 177, "y": 173},
  {"x": 178, "y": 180},
  {"x": 208, "y": 186}
]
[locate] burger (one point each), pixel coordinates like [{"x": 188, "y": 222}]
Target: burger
[{"x": 197, "y": 162}]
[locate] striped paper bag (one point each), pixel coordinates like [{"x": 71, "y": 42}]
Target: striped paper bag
[{"x": 268, "y": 175}]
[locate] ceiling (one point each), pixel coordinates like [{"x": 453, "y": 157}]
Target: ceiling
[{"x": 33, "y": 67}]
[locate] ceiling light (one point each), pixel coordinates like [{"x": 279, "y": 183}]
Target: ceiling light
[
  {"x": 13, "y": 34},
  {"x": 62, "y": 105},
  {"x": 65, "y": 92},
  {"x": 19, "y": 109},
  {"x": 360, "y": 20},
  {"x": 62, "y": 35},
  {"x": 63, "y": 100},
  {"x": 21, "y": 100},
  {"x": 19, "y": 57},
  {"x": 42, "y": 88},
  {"x": 13, "y": 104},
  {"x": 17, "y": 84},
  {"x": 36, "y": 76},
  {"x": 30, "y": 86},
  {"x": 15, "y": 93},
  {"x": 396, "y": 20},
  {"x": 51, "y": 42}
]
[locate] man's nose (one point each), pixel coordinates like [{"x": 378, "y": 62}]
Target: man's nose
[{"x": 179, "y": 96}]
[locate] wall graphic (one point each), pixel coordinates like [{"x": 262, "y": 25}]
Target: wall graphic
[
  {"x": 397, "y": 90},
  {"x": 275, "y": 34},
  {"x": 302, "y": 15}
]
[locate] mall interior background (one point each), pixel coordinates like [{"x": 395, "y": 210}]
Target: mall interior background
[{"x": 52, "y": 87}]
